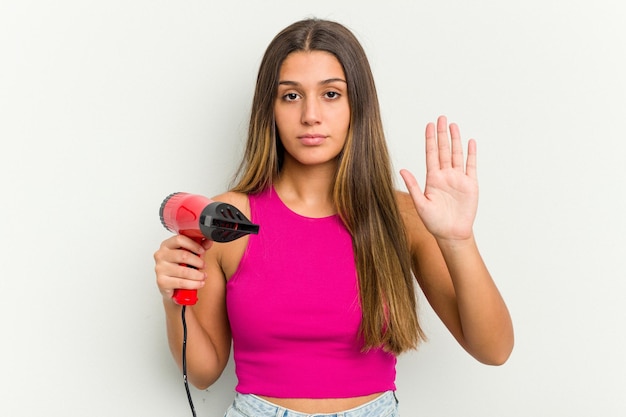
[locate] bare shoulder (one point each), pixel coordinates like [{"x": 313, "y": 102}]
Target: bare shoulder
[
  {"x": 231, "y": 197},
  {"x": 239, "y": 200}
]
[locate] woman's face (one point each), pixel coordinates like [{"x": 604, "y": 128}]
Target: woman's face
[{"x": 312, "y": 111}]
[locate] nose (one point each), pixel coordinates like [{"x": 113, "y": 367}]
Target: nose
[{"x": 311, "y": 111}]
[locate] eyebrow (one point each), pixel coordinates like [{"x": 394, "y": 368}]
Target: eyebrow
[{"x": 323, "y": 82}]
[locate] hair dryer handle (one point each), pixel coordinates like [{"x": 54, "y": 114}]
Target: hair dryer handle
[{"x": 185, "y": 297}]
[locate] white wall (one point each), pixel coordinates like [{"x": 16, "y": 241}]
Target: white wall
[{"x": 106, "y": 107}]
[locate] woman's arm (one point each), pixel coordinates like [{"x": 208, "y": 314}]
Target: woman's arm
[
  {"x": 208, "y": 332},
  {"x": 446, "y": 259}
]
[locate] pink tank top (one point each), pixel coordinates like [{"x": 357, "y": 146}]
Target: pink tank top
[{"x": 294, "y": 310}]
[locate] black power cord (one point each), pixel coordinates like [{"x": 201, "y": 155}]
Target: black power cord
[{"x": 193, "y": 410}]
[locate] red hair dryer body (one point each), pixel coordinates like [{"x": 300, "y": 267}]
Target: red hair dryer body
[{"x": 200, "y": 218}]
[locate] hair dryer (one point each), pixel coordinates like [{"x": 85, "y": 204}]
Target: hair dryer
[{"x": 200, "y": 218}]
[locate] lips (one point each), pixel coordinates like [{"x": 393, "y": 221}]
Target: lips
[{"x": 312, "y": 139}]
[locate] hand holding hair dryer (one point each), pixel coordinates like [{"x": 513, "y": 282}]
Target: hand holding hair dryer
[{"x": 200, "y": 218}]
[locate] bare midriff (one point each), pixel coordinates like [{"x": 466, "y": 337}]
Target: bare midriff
[{"x": 323, "y": 405}]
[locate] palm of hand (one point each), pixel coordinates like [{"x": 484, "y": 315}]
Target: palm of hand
[{"x": 449, "y": 202}]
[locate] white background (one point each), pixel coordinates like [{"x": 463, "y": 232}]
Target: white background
[{"x": 106, "y": 107}]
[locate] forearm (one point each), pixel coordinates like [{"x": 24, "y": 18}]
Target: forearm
[
  {"x": 205, "y": 360},
  {"x": 485, "y": 323}
]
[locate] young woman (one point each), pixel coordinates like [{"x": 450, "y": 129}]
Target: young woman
[{"x": 319, "y": 304}]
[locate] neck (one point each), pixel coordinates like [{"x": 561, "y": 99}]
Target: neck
[{"x": 307, "y": 190}]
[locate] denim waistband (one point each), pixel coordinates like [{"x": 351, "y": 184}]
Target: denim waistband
[{"x": 249, "y": 405}]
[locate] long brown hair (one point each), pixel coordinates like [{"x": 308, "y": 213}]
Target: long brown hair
[{"x": 363, "y": 191}]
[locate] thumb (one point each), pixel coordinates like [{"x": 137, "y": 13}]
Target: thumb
[{"x": 413, "y": 187}]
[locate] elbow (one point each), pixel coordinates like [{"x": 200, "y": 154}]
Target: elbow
[
  {"x": 497, "y": 360},
  {"x": 202, "y": 377},
  {"x": 497, "y": 355},
  {"x": 494, "y": 352},
  {"x": 204, "y": 372},
  {"x": 202, "y": 385},
  {"x": 205, "y": 381}
]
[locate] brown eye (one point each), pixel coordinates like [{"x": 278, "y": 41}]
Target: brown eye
[{"x": 290, "y": 97}]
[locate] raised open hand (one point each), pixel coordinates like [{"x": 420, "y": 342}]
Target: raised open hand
[{"x": 450, "y": 199}]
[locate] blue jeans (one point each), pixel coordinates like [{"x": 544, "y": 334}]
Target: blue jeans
[{"x": 248, "y": 405}]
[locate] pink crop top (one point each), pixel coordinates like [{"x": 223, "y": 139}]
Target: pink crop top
[{"x": 294, "y": 310}]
